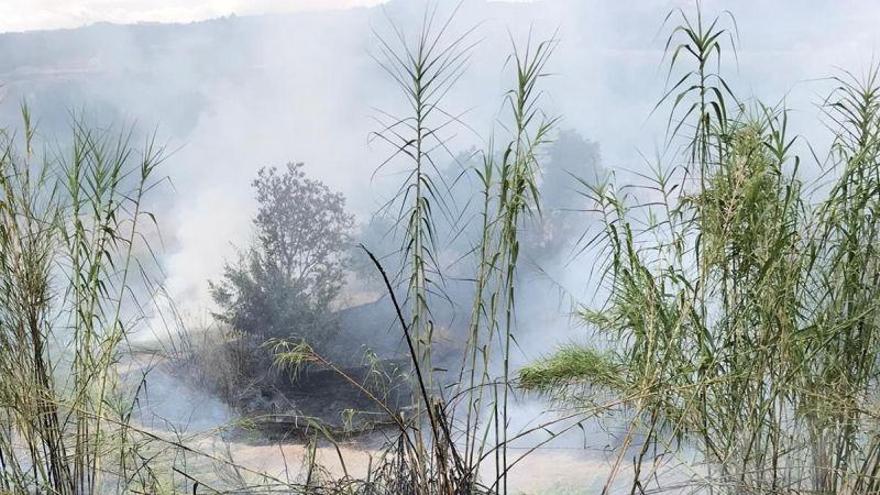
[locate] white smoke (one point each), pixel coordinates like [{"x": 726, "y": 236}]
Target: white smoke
[{"x": 270, "y": 86}]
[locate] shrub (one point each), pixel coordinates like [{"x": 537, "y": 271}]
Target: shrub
[{"x": 284, "y": 283}]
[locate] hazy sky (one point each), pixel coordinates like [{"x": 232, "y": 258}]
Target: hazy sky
[{"x": 26, "y": 15}]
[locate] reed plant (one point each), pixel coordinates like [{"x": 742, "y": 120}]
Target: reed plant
[
  {"x": 71, "y": 247},
  {"x": 741, "y": 313},
  {"x": 742, "y": 299},
  {"x": 437, "y": 451}
]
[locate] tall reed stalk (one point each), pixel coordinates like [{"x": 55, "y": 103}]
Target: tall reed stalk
[{"x": 424, "y": 70}]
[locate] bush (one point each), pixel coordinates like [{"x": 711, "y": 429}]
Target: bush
[{"x": 282, "y": 286}]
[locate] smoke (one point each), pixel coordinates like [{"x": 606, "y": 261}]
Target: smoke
[{"x": 234, "y": 94}]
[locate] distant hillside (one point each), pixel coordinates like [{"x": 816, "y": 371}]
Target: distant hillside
[
  {"x": 231, "y": 95},
  {"x": 161, "y": 73}
]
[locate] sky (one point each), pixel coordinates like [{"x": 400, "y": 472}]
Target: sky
[{"x": 27, "y": 15}]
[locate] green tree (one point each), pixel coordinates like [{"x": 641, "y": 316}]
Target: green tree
[{"x": 284, "y": 283}]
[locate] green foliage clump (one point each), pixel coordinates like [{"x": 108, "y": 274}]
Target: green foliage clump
[
  {"x": 573, "y": 365},
  {"x": 283, "y": 285}
]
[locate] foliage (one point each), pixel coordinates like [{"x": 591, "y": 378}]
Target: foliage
[
  {"x": 283, "y": 285},
  {"x": 545, "y": 238},
  {"x": 71, "y": 251},
  {"x": 424, "y": 68},
  {"x": 569, "y": 155},
  {"x": 444, "y": 455},
  {"x": 744, "y": 311},
  {"x": 572, "y": 363},
  {"x": 742, "y": 308}
]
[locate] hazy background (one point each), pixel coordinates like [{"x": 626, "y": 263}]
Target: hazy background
[{"x": 271, "y": 82}]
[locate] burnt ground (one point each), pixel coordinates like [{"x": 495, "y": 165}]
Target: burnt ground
[
  {"x": 369, "y": 349},
  {"x": 324, "y": 401}
]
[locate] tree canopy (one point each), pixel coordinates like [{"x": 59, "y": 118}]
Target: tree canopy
[{"x": 282, "y": 285}]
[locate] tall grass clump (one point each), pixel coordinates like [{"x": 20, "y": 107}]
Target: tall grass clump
[
  {"x": 742, "y": 299},
  {"x": 71, "y": 249}
]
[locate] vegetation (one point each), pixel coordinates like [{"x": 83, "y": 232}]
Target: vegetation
[
  {"x": 70, "y": 227},
  {"x": 738, "y": 337},
  {"x": 573, "y": 363},
  {"x": 547, "y": 238},
  {"x": 436, "y": 452},
  {"x": 743, "y": 311},
  {"x": 283, "y": 285}
]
